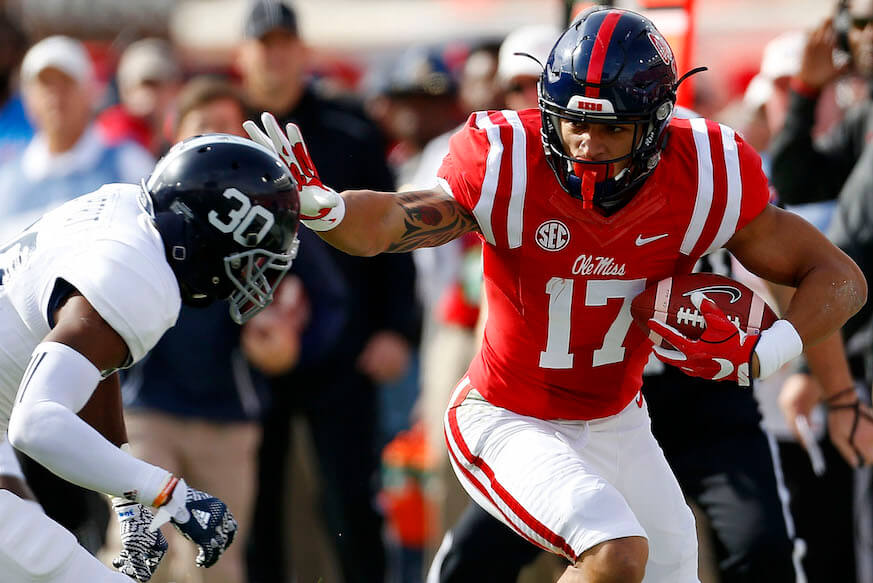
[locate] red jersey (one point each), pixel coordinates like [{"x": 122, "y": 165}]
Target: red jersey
[{"x": 560, "y": 342}]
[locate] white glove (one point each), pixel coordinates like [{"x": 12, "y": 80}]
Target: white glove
[
  {"x": 201, "y": 518},
  {"x": 141, "y": 549},
  {"x": 321, "y": 208}
]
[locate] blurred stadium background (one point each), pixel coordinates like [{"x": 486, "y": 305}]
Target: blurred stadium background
[{"x": 350, "y": 37}]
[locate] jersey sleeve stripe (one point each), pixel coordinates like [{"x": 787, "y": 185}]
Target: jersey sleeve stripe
[
  {"x": 703, "y": 201},
  {"x": 515, "y": 218},
  {"x": 734, "y": 189},
  {"x": 485, "y": 205}
]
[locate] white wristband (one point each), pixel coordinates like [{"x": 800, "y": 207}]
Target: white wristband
[
  {"x": 779, "y": 344},
  {"x": 330, "y": 220}
]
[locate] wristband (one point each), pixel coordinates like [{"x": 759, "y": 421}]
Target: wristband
[
  {"x": 778, "y": 344},
  {"x": 166, "y": 491},
  {"x": 330, "y": 220}
]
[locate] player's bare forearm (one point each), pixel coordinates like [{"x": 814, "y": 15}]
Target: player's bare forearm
[
  {"x": 827, "y": 360},
  {"x": 783, "y": 248},
  {"x": 381, "y": 222}
]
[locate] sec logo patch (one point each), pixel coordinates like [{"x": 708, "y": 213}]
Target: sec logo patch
[{"x": 553, "y": 235}]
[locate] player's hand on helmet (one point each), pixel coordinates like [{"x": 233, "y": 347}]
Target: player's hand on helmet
[
  {"x": 201, "y": 518},
  {"x": 141, "y": 548},
  {"x": 723, "y": 351},
  {"x": 321, "y": 208},
  {"x": 850, "y": 426}
]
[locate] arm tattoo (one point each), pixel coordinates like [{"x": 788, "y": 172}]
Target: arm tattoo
[{"x": 431, "y": 220}]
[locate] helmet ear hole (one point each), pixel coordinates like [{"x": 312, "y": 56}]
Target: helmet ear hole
[{"x": 664, "y": 111}]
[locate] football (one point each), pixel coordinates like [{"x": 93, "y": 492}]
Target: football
[{"x": 669, "y": 301}]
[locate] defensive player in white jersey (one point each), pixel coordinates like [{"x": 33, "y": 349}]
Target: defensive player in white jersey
[
  {"x": 89, "y": 289},
  {"x": 581, "y": 204}
]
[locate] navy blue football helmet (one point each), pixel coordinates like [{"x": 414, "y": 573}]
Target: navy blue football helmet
[
  {"x": 227, "y": 210},
  {"x": 611, "y": 66}
]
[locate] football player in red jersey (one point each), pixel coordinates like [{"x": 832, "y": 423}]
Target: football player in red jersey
[{"x": 580, "y": 205}]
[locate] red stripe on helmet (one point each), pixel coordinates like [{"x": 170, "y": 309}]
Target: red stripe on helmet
[{"x": 598, "y": 53}]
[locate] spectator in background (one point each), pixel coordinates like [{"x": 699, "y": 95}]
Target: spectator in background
[
  {"x": 338, "y": 395},
  {"x": 195, "y": 407},
  {"x": 68, "y": 155},
  {"x": 416, "y": 100},
  {"x": 807, "y": 170},
  {"x": 478, "y": 90},
  {"x": 523, "y": 54},
  {"x": 15, "y": 128},
  {"x": 828, "y": 532},
  {"x": 448, "y": 284},
  {"x": 148, "y": 78},
  {"x": 837, "y": 165}
]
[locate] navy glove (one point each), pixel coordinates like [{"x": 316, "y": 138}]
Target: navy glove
[{"x": 201, "y": 518}]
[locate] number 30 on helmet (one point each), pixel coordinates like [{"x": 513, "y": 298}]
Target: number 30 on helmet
[{"x": 227, "y": 210}]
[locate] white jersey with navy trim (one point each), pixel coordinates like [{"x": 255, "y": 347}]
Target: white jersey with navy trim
[{"x": 106, "y": 246}]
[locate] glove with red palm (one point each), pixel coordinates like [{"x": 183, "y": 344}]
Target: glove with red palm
[
  {"x": 321, "y": 208},
  {"x": 723, "y": 351}
]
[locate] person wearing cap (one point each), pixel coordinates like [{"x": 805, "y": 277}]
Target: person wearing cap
[
  {"x": 149, "y": 76},
  {"x": 823, "y": 169},
  {"x": 339, "y": 400},
  {"x": 520, "y": 63},
  {"x": 68, "y": 155},
  {"x": 415, "y": 100}
]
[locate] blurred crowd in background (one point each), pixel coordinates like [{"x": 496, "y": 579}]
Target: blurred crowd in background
[{"x": 323, "y": 431}]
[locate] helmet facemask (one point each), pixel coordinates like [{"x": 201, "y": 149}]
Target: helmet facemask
[
  {"x": 255, "y": 275},
  {"x": 595, "y": 182}
]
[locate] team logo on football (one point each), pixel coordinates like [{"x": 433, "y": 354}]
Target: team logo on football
[
  {"x": 553, "y": 235},
  {"x": 733, "y": 292}
]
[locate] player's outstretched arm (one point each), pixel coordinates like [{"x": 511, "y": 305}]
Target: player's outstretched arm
[
  {"x": 363, "y": 222},
  {"x": 379, "y": 222}
]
